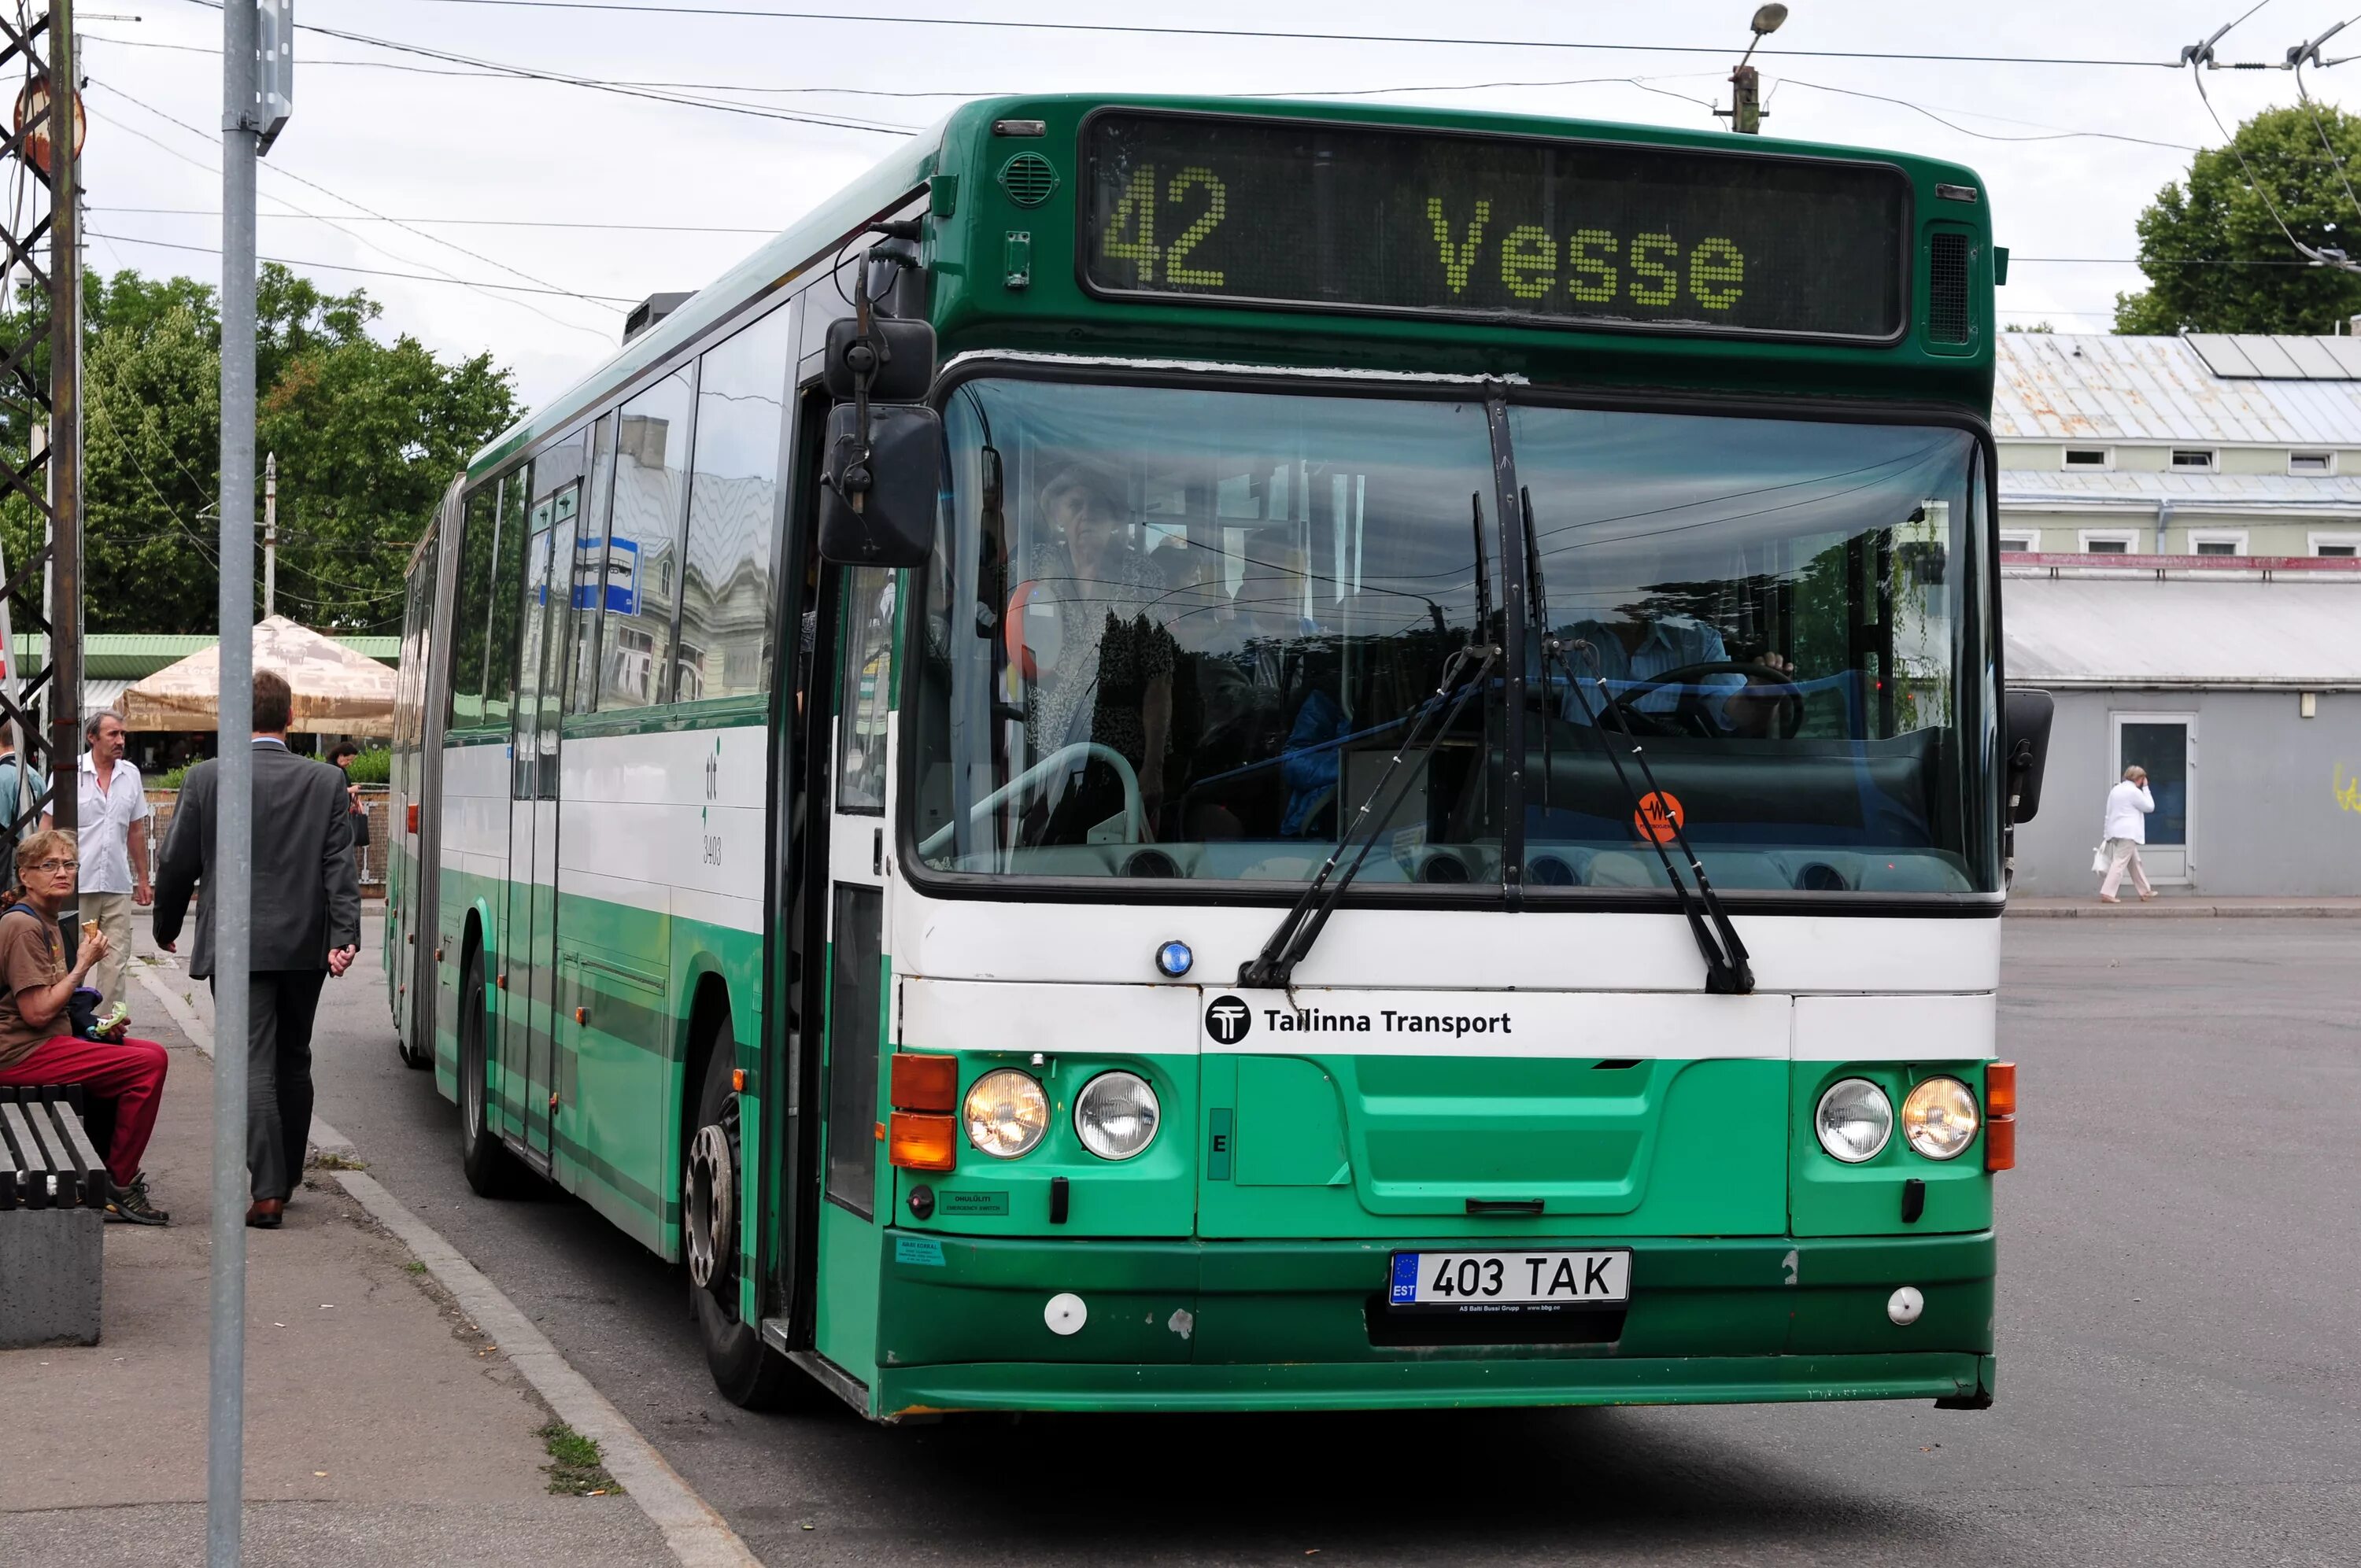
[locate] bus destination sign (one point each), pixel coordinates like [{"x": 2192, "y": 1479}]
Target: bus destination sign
[{"x": 1584, "y": 233}]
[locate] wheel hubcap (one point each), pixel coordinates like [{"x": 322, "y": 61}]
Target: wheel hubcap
[{"x": 712, "y": 1180}]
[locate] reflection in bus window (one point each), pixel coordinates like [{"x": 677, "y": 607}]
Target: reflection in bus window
[
  {"x": 508, "y": 597},
  {"x": 1173, "y": 632},
  {"x": 651, "y": 459},
  {"x": 1777, "y": 610},
  {"x": 863, "y": 711},
  {"x": 472, "y": 607},
  {"x": 725, "y": 611},
  {"x": 589, "y": 573}
]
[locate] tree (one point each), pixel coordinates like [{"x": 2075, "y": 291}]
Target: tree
[
  {"x": 2216, "y": 258},
  {"x": 367, "y": 434}
]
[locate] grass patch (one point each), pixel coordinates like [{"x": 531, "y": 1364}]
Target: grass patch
[
  {"x": 415, "y": 1267},
  {"x": 325, "y": 1159},
  {"x": 574, "y": 1467}
]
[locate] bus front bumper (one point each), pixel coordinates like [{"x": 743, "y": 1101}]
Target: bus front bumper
[{"x": 1261, "y": 1325}]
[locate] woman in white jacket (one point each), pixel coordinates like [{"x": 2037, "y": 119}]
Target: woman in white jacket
[{"x": 2128, "y": 805}]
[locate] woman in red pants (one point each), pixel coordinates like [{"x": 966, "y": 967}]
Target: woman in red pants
[{"x": 35, "y": 985}]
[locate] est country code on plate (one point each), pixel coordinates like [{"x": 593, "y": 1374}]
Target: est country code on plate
[{"x": 1481, "y": 1281}]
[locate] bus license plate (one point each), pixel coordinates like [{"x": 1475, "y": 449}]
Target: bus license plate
[{"x": 1477, "y": 1282}]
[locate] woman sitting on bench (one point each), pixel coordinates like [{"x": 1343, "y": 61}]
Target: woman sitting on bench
[{"x": 34, "y": 987}]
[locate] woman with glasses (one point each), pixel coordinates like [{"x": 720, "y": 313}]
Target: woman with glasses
[{"x": 36, "y": 983}]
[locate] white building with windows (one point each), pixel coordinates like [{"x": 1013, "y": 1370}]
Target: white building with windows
[{"x": 2199, "y": 445}]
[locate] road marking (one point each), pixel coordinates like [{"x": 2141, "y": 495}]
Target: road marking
[{"x": 698, "y": 1537}]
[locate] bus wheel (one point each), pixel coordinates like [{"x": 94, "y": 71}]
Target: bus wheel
[
  {"x": 749, "y": 1372},
  {"x": 492, "y": 1170}
]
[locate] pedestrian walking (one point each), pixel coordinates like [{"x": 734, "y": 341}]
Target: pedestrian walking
[
  {"x": 342, "y": 757},
  {"x": 305, "y": 927},
  {"x": 38, "y": 1044},
  {"x": 2128, "y": 805},
  {"x": 113, "y": 828}
]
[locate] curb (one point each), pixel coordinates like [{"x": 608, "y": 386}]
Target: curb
[
  {"x": 698, "y": 1537},
  {"x": 2190, "y": 910}
]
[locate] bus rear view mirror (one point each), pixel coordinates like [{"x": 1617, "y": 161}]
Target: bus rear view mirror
[
  {"x": 899, "y": 357},
  {"x": 2025, "y": 735},
  {"x": 878, "y": 496}
]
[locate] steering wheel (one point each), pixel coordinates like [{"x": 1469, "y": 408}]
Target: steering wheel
[{"x": 1790, "y": 720}]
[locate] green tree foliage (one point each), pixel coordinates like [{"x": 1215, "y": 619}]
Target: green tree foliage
[
  {"x": 2218, "y": 215},
  {"x": 367, "y": 433}
]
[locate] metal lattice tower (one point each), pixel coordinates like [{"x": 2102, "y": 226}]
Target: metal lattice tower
[{"x": 40, "y": 394}]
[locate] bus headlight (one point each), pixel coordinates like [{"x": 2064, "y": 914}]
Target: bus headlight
[
  {"x": 1854, "y": 1120},
  {"x": 1939, "y": 1118},
  {"x": 1116, "y": 1114},
  {"x": 1005, "y": 1113}
]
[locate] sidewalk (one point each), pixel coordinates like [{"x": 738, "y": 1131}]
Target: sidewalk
[
  {"x": 380, "y": 1426},
  {"x": 2184, "y": 906}
]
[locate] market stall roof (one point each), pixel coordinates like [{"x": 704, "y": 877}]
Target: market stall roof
[{"x": 338, "y": 690}]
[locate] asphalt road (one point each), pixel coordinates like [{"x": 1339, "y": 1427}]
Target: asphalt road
[{"x": 2181, "y": 1301}]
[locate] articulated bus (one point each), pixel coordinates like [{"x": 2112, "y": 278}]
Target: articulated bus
[{"x": 1214, "y": 755}]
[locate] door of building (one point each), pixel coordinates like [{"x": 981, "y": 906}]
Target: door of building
[{"x": 2165, "y": 745}]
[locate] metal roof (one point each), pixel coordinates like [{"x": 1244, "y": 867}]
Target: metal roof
[
  {"x": 2179, "y": 634},
  {"x": 2277, "y": 357},
  {"x": 2096, "y": 387},
  {"x": 128, "y": 655},
  {"x": 2296, "y": 494}
]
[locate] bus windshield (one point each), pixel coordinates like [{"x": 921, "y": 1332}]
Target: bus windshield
[{"x": 1174, "y": 631}]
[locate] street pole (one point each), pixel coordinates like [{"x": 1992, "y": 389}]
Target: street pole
[
  {"x": 232, "y": 874},
  {"x": 269, "y": 535},
  {"x": 65, "y": 438}
]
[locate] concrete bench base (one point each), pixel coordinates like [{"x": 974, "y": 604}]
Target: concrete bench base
[{"x": 51, "y": 1267}]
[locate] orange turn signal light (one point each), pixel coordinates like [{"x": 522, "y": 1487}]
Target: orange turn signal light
[
  {"x": 737, "y": 1080},
  {"x": 925, "y": 1082},
  {"x": 921, "y": 1142},
  {"x": 2000, "y": 1115},
  {"x": 2000, "y": 1089}
]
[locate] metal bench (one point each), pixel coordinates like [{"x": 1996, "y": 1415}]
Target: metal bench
[{"x": 53, "y": 1192}]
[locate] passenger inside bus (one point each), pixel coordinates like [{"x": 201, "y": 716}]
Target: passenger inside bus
[{"x": 1111, "y": 680}]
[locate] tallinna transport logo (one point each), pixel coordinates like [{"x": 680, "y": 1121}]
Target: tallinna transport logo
[{"x": 1227, "y": 1019}]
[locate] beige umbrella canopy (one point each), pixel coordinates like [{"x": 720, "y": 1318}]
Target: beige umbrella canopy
[{"x": 337, "y": 690}]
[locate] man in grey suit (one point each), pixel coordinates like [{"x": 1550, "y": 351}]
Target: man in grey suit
[{"x": 307, "y": 926}]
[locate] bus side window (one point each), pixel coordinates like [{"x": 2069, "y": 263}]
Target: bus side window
[
  {"x": 863, "y": 704},
  {"x": 650, "y": 471},
  {"x": 590, "y": 569},
  {"x": 472, "y": 610},
  {"x": 733, "y": 509},
  {"x": 508, "y": 598}
]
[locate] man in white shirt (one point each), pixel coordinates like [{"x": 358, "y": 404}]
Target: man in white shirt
[
  {"x": 2128, "y": 805},
  {"x": 114, "y": 830}
]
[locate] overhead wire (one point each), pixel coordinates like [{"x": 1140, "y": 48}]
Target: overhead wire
[
  {"x": 546, "y": 286},
  {"x": 528, "y": 74},
  {"x": 2055, "y": 133},
  {"x": 365, "y": 271},
  {"x": 2337, "y": 162},
  {"x": 456, "y": 223},
  {"x": 445, "y": 275},
  {"x": 1019, "y": 24}
]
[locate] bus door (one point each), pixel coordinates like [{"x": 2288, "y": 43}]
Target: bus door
[
  {"x": 527, "y": 1065},
  {"x": 862, "y": 605}
]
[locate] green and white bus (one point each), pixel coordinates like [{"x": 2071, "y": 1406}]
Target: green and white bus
[{"x": 1215, "y": 756}]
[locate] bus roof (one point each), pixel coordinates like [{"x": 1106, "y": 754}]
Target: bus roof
[{"x": 962, "y": 149}]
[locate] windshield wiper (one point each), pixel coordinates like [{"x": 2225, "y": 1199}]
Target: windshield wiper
[
  {"x": 1727, "y": 969},
  {"x": 1275, "y": 965}
]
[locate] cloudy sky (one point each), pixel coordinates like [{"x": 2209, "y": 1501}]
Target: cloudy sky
[{"x": 483, "y": 170}]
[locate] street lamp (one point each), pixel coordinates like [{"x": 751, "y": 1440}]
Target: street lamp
[{"x": 1745, "y": 110}]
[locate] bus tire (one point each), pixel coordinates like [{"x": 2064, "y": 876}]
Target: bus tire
[
  {"x": 747, "y": 1372},
  {"x": 491, "y": 1168}
]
